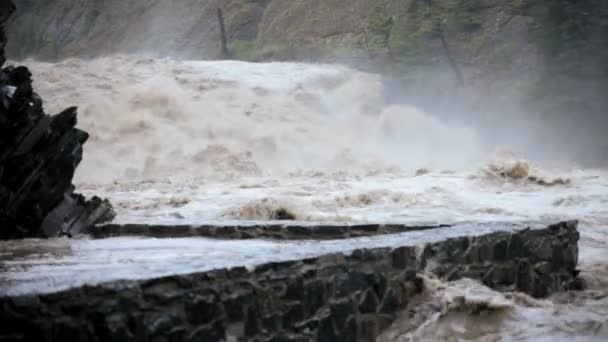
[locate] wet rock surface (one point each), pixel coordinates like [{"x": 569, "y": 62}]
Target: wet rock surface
[
  {"x": 333, "y": 297},
  {"x": 39, "y": 154},
  {"x": 244, "y": 232}
]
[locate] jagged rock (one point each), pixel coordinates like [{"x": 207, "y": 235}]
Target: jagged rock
[{"x": 39, "y": 154}]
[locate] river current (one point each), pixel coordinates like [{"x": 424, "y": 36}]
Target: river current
[{"x": 177, "y": 142}]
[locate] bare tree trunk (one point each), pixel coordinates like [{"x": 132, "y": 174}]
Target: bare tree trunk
[
  {"x": 224, "y": 40},
  {"x": 367, "y": 49},
  {"x": 446, "y": 49},
  {"x": 448, "y": 55}
]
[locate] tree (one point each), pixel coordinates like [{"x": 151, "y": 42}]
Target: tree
[{"x": 380, "y": 27}]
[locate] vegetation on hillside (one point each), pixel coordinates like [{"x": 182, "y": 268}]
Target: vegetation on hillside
[
  {"x": 562, "y": 30},
  {"x": 548, "y": 57}
]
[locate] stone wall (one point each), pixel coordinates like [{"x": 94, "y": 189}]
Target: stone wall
[
  {"x": 330, "y": 298},
  {"x": 269, "y": 231}
]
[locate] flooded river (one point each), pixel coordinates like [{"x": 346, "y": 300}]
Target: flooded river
[{"x": 178, "y": 142}]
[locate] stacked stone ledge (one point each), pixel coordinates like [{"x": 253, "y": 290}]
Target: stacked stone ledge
[
  {"x": 335, "y": 297},
  {"x": 259, "y": 231}
]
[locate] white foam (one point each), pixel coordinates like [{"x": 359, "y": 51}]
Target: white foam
[{"x": 158, "y": 118}]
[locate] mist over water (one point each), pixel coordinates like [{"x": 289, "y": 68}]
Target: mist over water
[
  {"x": 157, "y": 118},
  {"x": 162, "y": 118}
]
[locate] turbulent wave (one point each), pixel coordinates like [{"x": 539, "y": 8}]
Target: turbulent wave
[
  {"x": 198, "y": 142},
  {"x": 265, "y": 209},
  {"x": 505, "y": 166},
  {"x": 441, "y": 304},
  {"x": 319, "y": 140},
  {"x": 160, "y": 118},
  {"x": 466, "y": 310}
]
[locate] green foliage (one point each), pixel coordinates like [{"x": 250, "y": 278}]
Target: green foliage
[
  {"x": 242, "y": 49},
  {"x": 247, "y": 50},
  {"x": 559, "y": 24},
  {"x": 27, "y": 38},
  {"x": 425, "y": 21},
  {"x": 501, "y": 57},
  {"x": 380, "y": 27},
  {"x": 409, "y": 40},
  {"x": 463, "y": 15}
]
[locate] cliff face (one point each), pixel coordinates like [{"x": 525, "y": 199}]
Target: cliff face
[
  {"x": 39, "y": 154},
  {"x": 484, "y": 38},
  {"x": 57, "y": 29}
]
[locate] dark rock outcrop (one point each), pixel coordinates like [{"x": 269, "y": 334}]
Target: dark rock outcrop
[{"x": 39, "y": 154}]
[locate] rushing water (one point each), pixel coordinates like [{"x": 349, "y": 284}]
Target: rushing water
[{"x": 203, "y": 142}]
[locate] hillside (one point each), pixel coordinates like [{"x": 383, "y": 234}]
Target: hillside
[
  {"x": 495, "y": 34},
  {"x": 487, "y": 60}
]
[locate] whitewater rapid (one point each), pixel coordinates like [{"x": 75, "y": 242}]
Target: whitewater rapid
[
  {"x": 218, "y": 142},
  {"x": 158, "y": 119}
]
